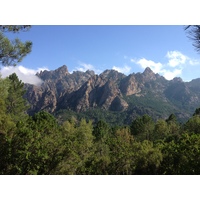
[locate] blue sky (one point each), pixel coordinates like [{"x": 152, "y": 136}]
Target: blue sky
[{"x": 166, "y": 49}]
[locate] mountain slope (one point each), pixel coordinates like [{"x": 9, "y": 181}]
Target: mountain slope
[{"x": 114, "y": 94}]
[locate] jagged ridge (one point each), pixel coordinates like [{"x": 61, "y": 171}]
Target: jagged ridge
[{"x": 134, "y": 94}]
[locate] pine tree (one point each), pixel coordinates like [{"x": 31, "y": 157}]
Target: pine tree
[
  {"x": 12, "y": 52},
  {"x": 16, "y": 105},
  {"x": 5, "y": 119},
  {"x": 142, "y": 127}
]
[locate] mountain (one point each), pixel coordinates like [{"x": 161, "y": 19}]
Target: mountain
[{"x": 113, "y": 95}]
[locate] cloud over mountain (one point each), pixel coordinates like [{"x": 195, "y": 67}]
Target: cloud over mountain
[
  {"x": 83, "y": 67},
  {"x": 25, "y": 74},
  {"x": 176, "y": 58},
  {"x": 176, "y": 63},
  {"x": 125, "y": 70}
]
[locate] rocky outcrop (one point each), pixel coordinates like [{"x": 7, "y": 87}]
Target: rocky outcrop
[
  {"x": 130, "y": 86},
  {"x": 118, "y": 104},
  {"x": 111, "y": 90}
]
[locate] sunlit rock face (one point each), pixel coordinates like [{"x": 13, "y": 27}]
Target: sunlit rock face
[{"x": 114, "y": 91}]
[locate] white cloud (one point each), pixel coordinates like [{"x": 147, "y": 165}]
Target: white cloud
[
  {"x": 25, "y": 74},
  {"x": 125, "y": 70},
  {"x": 156, "y": 67},
  {"x": 162, "y": 69},
  {"x": 83, "y": 67},
  {"x": 169, "y": 75},
  {"x": 176, "y": 58},
  {"x": 174, "y": 67}
]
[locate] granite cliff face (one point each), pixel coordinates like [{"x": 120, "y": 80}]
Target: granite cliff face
[{"x": 113, "y": 91}]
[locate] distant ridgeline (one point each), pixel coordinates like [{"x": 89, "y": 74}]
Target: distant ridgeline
[{"x": 112, "y": 96}]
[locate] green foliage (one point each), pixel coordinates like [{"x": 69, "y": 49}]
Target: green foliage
[
  {"x": 121, "y": 153},
  {"x": 193, "y": 125},
  {"x": 12, "y": 52},
  {"x": 182, "y": 156},
  {"x": 101, "y": 130},
  {"x": 142, "y": 127},
  {"x": 38, "y": 144},
  {"x": 30, "y": 150},
  {"x": 14, "y": 28},
  {"x": 131, "y": 157},
  {"x": 95, "y": 114},
  {"x": 6, "y": 122},
  {"x": 78, "y": 143},
  {"x": 149, "y": 104},
  {"x": 148, "y": 158},
  {"x": 174, "y": 126},
  {"x": 193, "y": 32},
  {"x": 44, "y": 121},
  {"x": 161, "y": 130},
  {"x": 4, "y": 86},
  {"x": 16, "y": 105},
  {"x": 197, "y": 112},
  {"x": 99, "y": 161}
]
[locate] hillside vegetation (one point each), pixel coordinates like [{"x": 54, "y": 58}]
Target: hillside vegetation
[{"x": 42, "y": 144}]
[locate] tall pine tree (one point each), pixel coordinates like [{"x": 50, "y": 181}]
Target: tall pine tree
[{"x": 16, "y": 105}]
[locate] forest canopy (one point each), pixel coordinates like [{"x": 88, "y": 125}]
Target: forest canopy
[{"x": 39, "y": 144}]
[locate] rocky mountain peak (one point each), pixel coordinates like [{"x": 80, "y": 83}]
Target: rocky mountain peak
[
  {"x": 112, "y": 75},
  {"x": 59, "y": 73},
  {"x": 62, "y": 70},
  {"x": 148, "y": 72},
  {"x": 90, "y": 72},
  {"x": 177, "y": 79},
  {"x": 114, "y": 91}
]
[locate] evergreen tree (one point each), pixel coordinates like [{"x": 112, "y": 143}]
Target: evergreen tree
[
  {"x": 122, "y": 153},
  {"x": 148, "y": 158},
  {"x": 142, "y": 127},
  {"x": 161, "y": 130},
  {"x": 101, "y": 130},
  {"x": 197, "y": 112},
  {"x": 78, "y": 144},
  {"x": 193, "y": 125},
  {"x": 173, "y": 125},
  {"x": 16, "y": 105},
  {"x": 6, "y": 122},
  {"x": 181, "y": 157},
  {"x": 12, "y": 52},
  {"x": 32, "y": 148},
  {"x": 193, "y": 32},
  {"x": 99, "y": 160}
]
